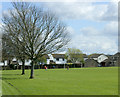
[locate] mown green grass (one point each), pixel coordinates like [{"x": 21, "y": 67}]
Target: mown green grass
[
  {"x": 0, "y": 83},
  {"x": 79, "y": 81}
]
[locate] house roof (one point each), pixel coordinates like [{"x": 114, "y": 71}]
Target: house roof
[
  {"x": 109, "y": 56},
  {"x": 58, "y": 55},
  {"x": 95, "y": 55},
  {"x": 117, "y": 54},
  {"x": 91, "y": 60}
]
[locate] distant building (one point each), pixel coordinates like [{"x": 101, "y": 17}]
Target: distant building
[
  {"x": 91, "y": 63},
  {"x": 116, "y": 59},
  {"x": 101, "y": 58},
  {"x": 106, "y": 63},
  {"x": 58, "y": 58},
  {"x": 93, "y": 60}
]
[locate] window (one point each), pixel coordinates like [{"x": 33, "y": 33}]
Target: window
[
  {"x": 51, "y": 60},
  {"x": 63, "y": 59},
  {"x": 57, "y": 59}
]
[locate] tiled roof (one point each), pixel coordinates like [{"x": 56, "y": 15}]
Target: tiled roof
[
  {"x": 58, "y": 55},
  {"x": 117, "y": 54},
  {"x": 95, "y": 55}
]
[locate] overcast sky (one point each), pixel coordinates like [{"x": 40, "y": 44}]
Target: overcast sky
[{"x": 93, "y": 26}]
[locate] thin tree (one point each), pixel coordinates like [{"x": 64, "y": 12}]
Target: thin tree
[
  {"x": 74, "y": 55},
  {"x": 39, "y": 31},
  {"x": 20, "y": 55}
]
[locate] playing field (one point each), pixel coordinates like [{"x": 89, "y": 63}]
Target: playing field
[{"x": 81, "y": 81}]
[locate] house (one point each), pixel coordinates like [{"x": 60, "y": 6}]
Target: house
[
  {"x": 91, "y": 63},
  {"x": 106, "y": 63},
  {"x": 116, "y": 59},
  {"x": 17, "y": 64},
  {"x": 57, "y": 59},
  {"x": 116, "y": 56},
  {"x": 102, "y": 59},
  {"x": 117, "y": 62}
]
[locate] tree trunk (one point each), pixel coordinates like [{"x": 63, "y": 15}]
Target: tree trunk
[
  {"x": 23, "y": 67},
  {"x": 64, "y": 65},
  {"x": 4, "y": 65},
  {"x": 32, "y": 70}
]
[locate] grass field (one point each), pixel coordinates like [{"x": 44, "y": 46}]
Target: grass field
[
  {"x": 0, "y": 83},
  {"x": 81, "y": 81}
]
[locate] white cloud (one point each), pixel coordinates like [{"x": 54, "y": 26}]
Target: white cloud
[
  {"x": 91, "y": 40},
  {"x": 95, "y": 44},
  {"x": 111, "y": 29},
  {"x": 62, "y": 0},
  {"x": 78, "y": 10},
  {"x": 88, "y": 31}
]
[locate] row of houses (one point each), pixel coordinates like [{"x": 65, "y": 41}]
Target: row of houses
[
  {"x": 103, "y": 60},
  {"x": 94, "y": 60}
]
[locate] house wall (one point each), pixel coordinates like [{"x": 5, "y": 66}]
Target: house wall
[
  {"x": 90, "y": 63},
  {"x": 5, "y": 62},
  {"x": 27, "y": 62},
  {"x": 60, "y": 61},
  {"x": 57, "y": 62},
  {"x": 1, "y": 64},
  {"x": 48, "y": 61},
  {"x": 117, "y": 62},
  {"x": 50, "y": 58}
]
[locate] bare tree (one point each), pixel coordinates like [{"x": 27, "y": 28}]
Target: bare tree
[
  {"x": 10, "y": 49},
  {"x": 40, "y": 32},
  {"x": 19, "y": 54},
  {"x": 7, "y": 50}
]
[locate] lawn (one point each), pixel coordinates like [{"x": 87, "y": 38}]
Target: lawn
[{"x": 77, "y": 81}]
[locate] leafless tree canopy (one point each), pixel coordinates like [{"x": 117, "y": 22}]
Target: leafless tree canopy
[
  {"x": 7, "y": 48},
  {"x": 34, "y": 31},
  {"x": 38, "y": 31}
]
